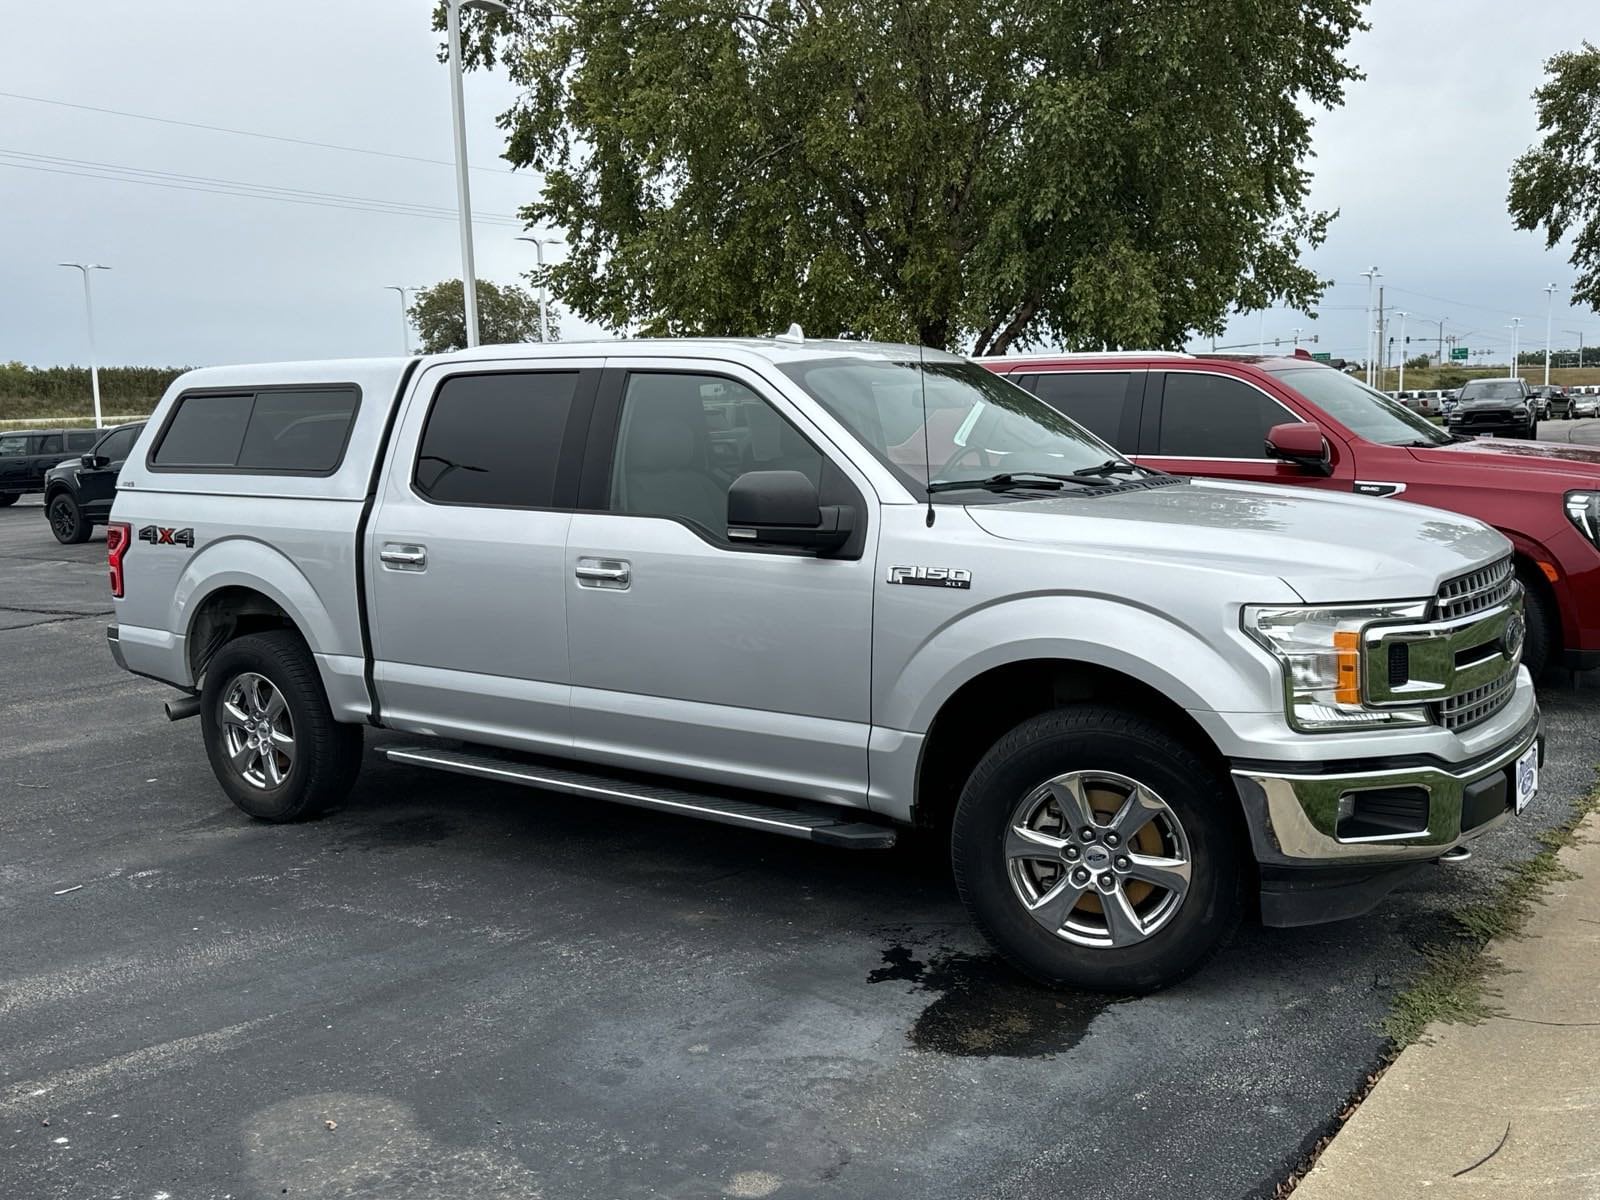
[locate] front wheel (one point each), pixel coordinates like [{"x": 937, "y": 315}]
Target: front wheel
[
  {"x": 271, "y": 737},
  {"x": 1095, "y": 850},
  {"x": 67, "y": 521}
]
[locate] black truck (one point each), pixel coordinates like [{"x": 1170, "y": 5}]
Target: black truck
[
  {"x": 1503, "y": 407},
  {"x": 26, "y": 454},
  {"x": 78, "y": 493}
]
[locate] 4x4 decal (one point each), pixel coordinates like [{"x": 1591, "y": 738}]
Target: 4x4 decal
[{"x": 158, "y": 536}]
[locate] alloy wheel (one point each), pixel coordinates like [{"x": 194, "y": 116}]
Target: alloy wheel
[{"x": 258, "y": 735}]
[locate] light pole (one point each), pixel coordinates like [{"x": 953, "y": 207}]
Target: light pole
[
  {"x": 1549, "y": 310},
  {"x": 1261, "y": 333},
  {"x": 1401, "y": 386},
  {"x": 88, "y": 312},
  {"x": 1515, "y": 326},
  {"x": 469, "y": 280},
  {"x": 405, "y": 321},
  {"x": 544, "y": 309},
  {"x": 1372, "y": 278},
  {"x": 1578, "y": 333}
]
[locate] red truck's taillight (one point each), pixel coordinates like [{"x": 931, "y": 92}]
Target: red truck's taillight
[{"x": 118, "y": 535}]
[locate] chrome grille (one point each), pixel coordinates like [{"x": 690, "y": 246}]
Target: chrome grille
[
  {"x": 1477, "y": 591},
  {"x": 1479, "y": 704}
]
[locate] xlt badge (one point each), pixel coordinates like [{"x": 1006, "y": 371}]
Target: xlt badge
[{"x": 948, "y": 577}]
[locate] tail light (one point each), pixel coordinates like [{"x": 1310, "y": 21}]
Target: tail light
[{"x": 118, "y": 535}]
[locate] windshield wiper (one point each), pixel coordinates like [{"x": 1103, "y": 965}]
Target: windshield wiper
[
  {"x": 1007, "y": 481},
  {"x": 1112, "y": 466}
]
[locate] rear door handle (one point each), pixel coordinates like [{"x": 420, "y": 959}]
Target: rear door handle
[
  {"x": 603, "y": 573},
  {"x": 404, "y": 557}
]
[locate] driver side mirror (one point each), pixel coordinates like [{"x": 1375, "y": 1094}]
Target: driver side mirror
[
  {"x": 781, "y": 508},
  {"x": 94, "y": 461},
  {"x": 1301, "y": 443}
]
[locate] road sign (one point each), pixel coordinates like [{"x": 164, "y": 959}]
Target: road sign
[
  {"x": 1323, "y": 356},
  {"x": 1459, "y": 353}
]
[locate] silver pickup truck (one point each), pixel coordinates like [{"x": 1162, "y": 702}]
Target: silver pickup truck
[{"x": 835, "y": 591}]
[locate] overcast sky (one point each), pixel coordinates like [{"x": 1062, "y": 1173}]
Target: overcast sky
[{"x": 1416, "y": 163}]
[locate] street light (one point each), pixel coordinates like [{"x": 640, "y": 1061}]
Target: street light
[
  {"x": 1515, "y": 326},
  {"x": 88, "y": 310},
  {"x": 469, "y": 281},
  {"x": 405, "y": 321},
  {"x": 544, "y": 309},
  {"x": 1549, "y": 309},
  {"x": 1372, "y": 278},
  {"x": 1578, "y": 333}
]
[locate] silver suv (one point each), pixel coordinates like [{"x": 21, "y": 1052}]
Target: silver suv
[{"x": 834, "y": 591}]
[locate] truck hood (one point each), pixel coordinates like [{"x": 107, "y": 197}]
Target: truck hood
[
  {"x": 1580, "y": 464},
  {"x": 1329, "y": 548}
]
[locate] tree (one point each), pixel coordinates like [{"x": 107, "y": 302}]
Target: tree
[
  {"x": 505, "y": 314},
  {"x": 961, "y": 172},
  {"x": 1556, "y": 184}
]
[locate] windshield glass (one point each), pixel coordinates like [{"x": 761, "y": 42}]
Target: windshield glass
[
  {"x": 978, "y": 425},
  {"x": 1362, "y": 411},
  {"x": 1492, "y": 389}
]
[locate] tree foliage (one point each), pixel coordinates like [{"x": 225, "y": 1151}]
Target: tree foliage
[
  {"x": 1556, "y": 184},
  {"x": 963, "y": 172},
  {"x": 505, "y": 314}
]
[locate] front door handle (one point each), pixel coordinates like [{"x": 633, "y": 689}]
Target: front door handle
[
  {"x": 603, "y": 573},
  {"x": 404, "y": 557}
]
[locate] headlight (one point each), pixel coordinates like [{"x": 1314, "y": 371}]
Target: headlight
[
  {"x": 1583, "y": 510},
  {"x": 1320, "y": 649}
]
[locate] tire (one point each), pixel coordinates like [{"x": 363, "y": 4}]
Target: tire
[
  {"x": 1543, "y": 633},
  {"x": 1106, "y": 750},
  {"x": 67, "y": 521},
  {"x": 7, "y": 499},
  {"x": 318, "y": 765}
]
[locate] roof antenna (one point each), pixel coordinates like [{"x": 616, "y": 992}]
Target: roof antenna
[{"x": 927, "y": 455}]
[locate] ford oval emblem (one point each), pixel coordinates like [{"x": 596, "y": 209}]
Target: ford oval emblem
[{"x": 1512, "y": 638}]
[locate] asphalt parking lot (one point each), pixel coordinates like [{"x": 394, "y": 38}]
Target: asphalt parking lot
[{"x": 456, "y": 988}]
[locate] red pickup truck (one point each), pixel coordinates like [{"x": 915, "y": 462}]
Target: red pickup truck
[{"x": 1294, "y": 421}]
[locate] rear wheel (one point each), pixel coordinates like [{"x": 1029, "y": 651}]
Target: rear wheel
[
  {"x": 1095, "y": 850},
  {"x": 67, "y": 521},
  {"x": 271, "y": 737}
]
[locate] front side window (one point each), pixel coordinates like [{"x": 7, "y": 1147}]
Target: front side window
[
  {"x": 495, "y": 440},
  {"x": 1364, "y": 412},
  {"x": 14, "y": 445},
  {"x": 82, "y": 440},
  {"x": 946, "y": 422},
  {"x": 684, "y": 438},
  {"x": 117, "y": 444},
  {"x": 1213, "y": 416}
]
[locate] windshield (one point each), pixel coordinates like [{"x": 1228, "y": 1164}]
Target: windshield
[
  {"x": 978, "y": 425},
  {"x": 1364, "y": 412},
  {"x": 1492, "y": 389}
]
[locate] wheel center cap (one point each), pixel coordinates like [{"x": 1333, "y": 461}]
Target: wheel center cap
[
  {"x": 1096, "y": 857},
  {"x": 264, "y": 729}
]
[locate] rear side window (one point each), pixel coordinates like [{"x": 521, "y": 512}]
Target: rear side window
[
  {"x": 495, "y": 440},
  {"x": 51, "y": 444},
  {"x": 1097, "y": 400},
  {"x": 292, "y": 431},
  {"x": 1213, "y": 416}
]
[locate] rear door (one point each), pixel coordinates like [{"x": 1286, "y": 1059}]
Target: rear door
[
  {"x": 465, "y": 552},
  {"x": 16, "y": 461},
  {"x": 48, "y": 450},
  {"x": 1215, "y": 425},
  {"x": 696, "y": 655}
]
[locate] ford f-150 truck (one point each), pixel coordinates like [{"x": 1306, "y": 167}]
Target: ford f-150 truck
[
  {"x": 1294, "y": 421},
  {"x": 830, "y": 590}
]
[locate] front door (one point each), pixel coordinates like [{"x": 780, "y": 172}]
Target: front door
[
  {"x": 693, "y": 655},
  {"x": 97, "y": 486},
  {"x": 465, "y": 552}
]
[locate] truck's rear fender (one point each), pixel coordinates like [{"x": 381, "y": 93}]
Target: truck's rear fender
[{"x": 238, "y": 584}]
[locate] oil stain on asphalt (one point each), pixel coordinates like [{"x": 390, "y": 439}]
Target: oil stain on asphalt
[{"x": 985, "y": 1009}]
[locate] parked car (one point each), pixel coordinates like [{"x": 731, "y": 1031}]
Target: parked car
[
  {"x": 1584, "y": 406},
  {"x": 1292, "y": 421},
  {"x": 78, "y": 493},
  {"x": 907, "y": 593},
  {"x": 1494, "y": 407},
  {"x": 25, "y": 456}
]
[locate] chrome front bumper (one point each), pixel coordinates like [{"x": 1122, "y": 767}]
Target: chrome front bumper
[{"x": 1294, "y": 816}]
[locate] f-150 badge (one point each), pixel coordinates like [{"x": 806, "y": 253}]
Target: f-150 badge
[{"x": 945, "y": 577}]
